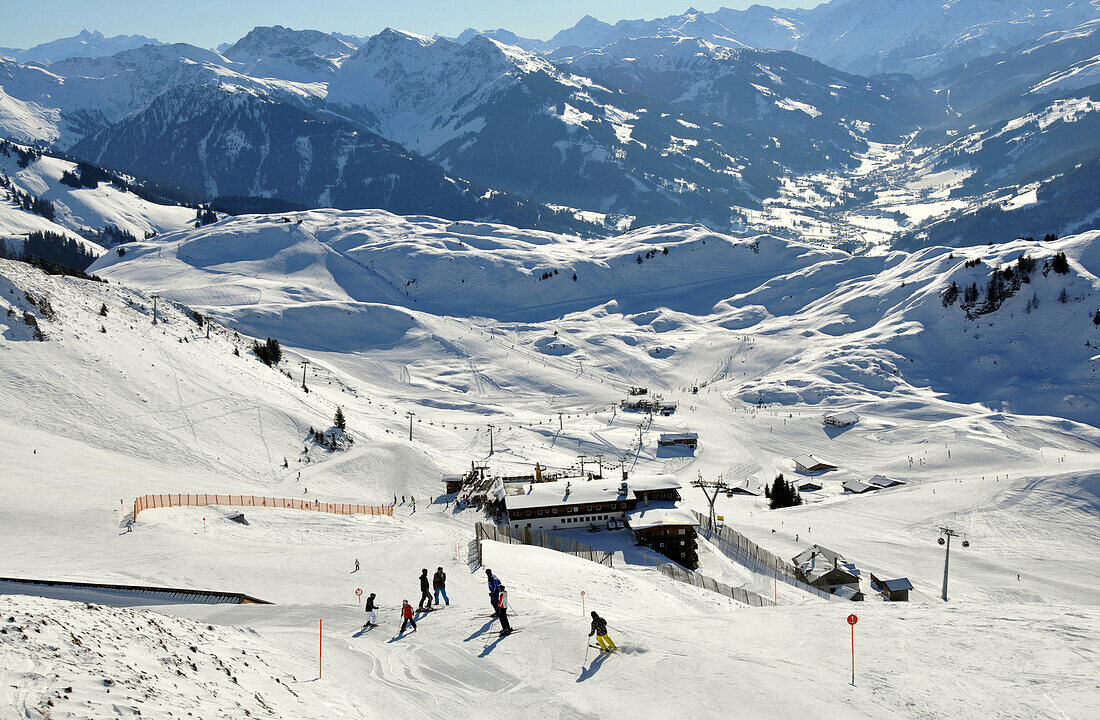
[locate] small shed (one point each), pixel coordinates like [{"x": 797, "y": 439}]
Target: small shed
[
  {"x": 809, "y": 464},
  {"x": 452, "y": 482},
  {"x": 897, "y": 590},
  {"x": 668, "y": 408},
  {"x": 846, "y": 418},
  {"x": 884, "y": 482},
  {"x": 688, "y": 439},
  {"x": 809, "y": 485},
  {"x": 746, "y": 487},
  {"x": 857, "y": 487}
]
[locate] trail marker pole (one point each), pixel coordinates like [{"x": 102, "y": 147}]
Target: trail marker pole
[
  {"x": 582, "y": 603},
  {"x": 775, "y": 580},
  {"x": 358, "y": 595},
  {"x": 320, "y": 627},
  {"x": 852, "y": 620},
  {"x": 204, "y": 525}
]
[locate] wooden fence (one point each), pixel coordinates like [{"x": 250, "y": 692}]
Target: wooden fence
[
  {"x": 146, "y": 502},
  {"x": 691, "y": 577},
  {"x": 745, "y": 552},
  {"x": 527, "y": 536}
]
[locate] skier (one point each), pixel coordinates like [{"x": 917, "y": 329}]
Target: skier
[
  {"x": 502, "y": 611},
  {"x": 494, "y": 587},
  {"x": 356, "y": 565},
  {"x": 599, "y": 629},
  {"x": 372, "y": 620},
  {"x": 402, "y": 499},
  {"x": 407, "y": 614},
  {"x": 424, "y": 594},
  {"x": 439, "y": 584}
]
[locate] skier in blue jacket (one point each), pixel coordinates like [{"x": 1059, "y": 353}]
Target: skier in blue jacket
[{"x": 494, "y": 589}]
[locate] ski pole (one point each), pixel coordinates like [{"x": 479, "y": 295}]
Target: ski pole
[{"x": 587, "y": 647}]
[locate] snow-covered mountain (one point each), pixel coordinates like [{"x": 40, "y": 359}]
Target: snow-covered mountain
[
  {"x": 782, "y": 91},
  {"x": 85, "y": 44},
  {"x": 860, "y": 36},
  {"x": 298, "y": 55}
]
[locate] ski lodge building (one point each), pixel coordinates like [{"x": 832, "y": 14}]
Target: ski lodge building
[
  {"x": 687, "y": 439},
  {"x": 809, "y": 464},
  {"x": 669, "y": 531},
  {"x": 841, "y": 419},
  {"x": 578, "y": 502},
  {"x": 828, "y": 570}
]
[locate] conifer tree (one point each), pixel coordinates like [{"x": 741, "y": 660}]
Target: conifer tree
[{"x": 338, "y": 419}]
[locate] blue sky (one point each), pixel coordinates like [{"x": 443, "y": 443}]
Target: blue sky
[{"x": 209, "y": 22}]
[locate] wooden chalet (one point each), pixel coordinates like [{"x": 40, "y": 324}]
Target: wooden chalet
[
  {"x": 807, "y": 463},
  {"x": 669, "y": 531}
]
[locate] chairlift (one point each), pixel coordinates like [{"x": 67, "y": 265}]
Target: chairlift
[
  {"x": 729, "y": 493},
  {"x": 966, "y": 543},
  {"x": 941, "y": 541}
]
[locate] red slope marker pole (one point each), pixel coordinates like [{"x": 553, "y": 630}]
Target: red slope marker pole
[{"x": 852, "y": 620}]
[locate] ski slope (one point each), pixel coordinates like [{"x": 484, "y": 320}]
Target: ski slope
[{"x": 95, "y": 418}]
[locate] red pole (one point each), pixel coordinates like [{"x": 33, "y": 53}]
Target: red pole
[
  {"x": 320, "y": 625},
  {"x": 853, "y": 654}
]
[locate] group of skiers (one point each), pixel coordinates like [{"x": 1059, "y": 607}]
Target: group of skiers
[{"x": 498, "y": 599}]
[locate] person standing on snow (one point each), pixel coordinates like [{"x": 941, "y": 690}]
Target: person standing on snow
[
  {"x": 356, "y": 565},
  {"x": 494, "y": 588},
  {"x": 599, "y": 629},
  {"x": 502, "y": 611},
  {"x": 407, "y": 614},
  {"x": 439, "y": 584},
  {"x": 372, "y": 620},
  {"x": 424, "y": 594}
]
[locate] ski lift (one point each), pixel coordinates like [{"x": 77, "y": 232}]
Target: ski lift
[
  {"x": 941, "y": 540},
  {"x": 729, "y": 493},
  {"x": 966, "y": 543}
]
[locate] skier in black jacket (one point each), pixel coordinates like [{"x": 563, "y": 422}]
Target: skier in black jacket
[
  {"x": 439, "y": 584},
  {"x": 372, "y": 621},
  {"x": 599, "y": 629},
  {"x": 425, "y": 595}
]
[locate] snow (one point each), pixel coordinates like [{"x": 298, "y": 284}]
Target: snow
[
  {"x": 773, "y": 332},
  {"x": 646, "y": 518}
]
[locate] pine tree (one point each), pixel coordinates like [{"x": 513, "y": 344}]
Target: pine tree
[
  {"x": 103, "y": 309},
  {"x": 338, "y": 419},
  {"x": 1062, "y": 298},
  {"x": 1059, "y": 263},
  {"x": 1096, "y": 318}
]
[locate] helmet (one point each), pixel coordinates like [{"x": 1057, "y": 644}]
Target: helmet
[{"x": 594, "y": 614}]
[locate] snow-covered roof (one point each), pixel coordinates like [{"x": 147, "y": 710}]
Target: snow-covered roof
[
  {"x": 846, "y": 417},
  {"x": 883, "y": 481},
  {"x": 817, "y": 561},
  {"x": 646, "y": 518},
  {"x": 452, "y": 477},
  {"x": 847, "y": 592},
  {"x": 856, "y": 486},
  {"x": 650, "y": 483},
  {"x": 569, "y": 492},
  {"x": 809, "y": 461},
  {"x": 809, "y": 485},
  {"x": 673, "y": 437}
]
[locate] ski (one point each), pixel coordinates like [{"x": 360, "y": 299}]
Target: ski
[{"x": 601, "y": 649}]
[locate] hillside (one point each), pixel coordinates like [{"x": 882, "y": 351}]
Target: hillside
[{"x": 170, "y": 410}]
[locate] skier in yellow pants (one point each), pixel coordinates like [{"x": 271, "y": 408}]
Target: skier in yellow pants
[{"x": 599, "y": 629}]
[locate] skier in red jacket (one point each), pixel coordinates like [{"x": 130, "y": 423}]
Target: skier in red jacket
[{"x": 407, "y": 614}]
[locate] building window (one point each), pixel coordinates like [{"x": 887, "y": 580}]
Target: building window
[
  {"x": 555, "y": 511},
  {"x": 682, "y": 531}
]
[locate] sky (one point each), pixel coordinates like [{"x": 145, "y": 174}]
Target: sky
[{"x": 207, "y": 23}]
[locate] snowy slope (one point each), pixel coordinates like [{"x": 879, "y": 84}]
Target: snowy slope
[
  {"x": 145, "y": 412},
  {"x": 81, "y": 211}
]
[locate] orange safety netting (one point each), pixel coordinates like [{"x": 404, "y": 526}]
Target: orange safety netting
[{"x": 200, "y": 500}]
